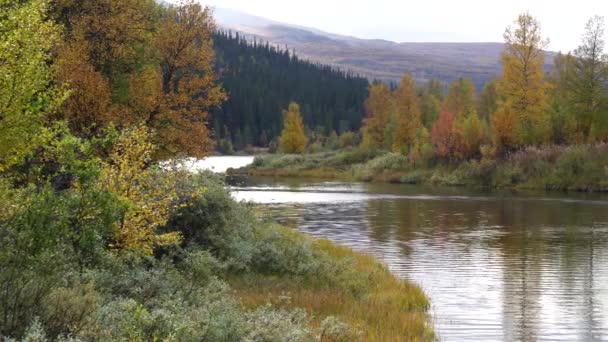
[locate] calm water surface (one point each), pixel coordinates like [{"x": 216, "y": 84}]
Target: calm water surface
[{"x": 497, "y": 267}]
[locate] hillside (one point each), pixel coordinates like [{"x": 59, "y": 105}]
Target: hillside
[
  {"x": 375, "y": 59},
  {"x": 262, "y": 80}
]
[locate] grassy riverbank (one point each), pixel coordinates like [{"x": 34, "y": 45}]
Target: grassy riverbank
[
  {"x": 234, "y": 277},
  {"x": 563, "y": 168}
]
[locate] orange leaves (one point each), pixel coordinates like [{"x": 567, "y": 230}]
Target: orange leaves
[
  {"x": 90, "y": 103},
  {"x": 187, "y": 80},
  {"x": 126, "y": 63},
  {"x": 505, "y": 130},
  {"x": 443, "y": 134}
]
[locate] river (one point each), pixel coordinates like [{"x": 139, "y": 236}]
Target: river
[{"x": 496, "y": 266}]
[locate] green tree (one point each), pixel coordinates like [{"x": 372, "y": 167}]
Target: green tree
[
  {"x": 293, "y": 139},
  {"x": 487, "y": 103},
  {"x": 26, "y": 93},
  {"x": 589, "y": 81}
]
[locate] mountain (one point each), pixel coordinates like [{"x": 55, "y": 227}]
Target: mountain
[{"x": 374, "y": 58}]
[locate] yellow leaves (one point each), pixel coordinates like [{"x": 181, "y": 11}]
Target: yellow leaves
[
  {"x": 379, "y": 106},
  {"x": 149, "y": 195},
  {"x": 293, "y": 138},
  {"x": 522, "y": 86},
  {"x": 408, "y": 115}
]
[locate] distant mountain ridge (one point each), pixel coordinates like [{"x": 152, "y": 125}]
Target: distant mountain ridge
[{"x": 375, "y": 58}]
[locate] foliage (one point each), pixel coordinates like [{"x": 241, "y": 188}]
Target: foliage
[
  {"x": 408, "y": 115},
  {"x": 187, "y": 79},
  {"x": 262, "y": 79},
  {"x": 27, "y": 95},
  {"x": 293, "y": 139},
  {"x": 461, "y": 97},
  {"x": 443, "y": 135},
  {"x": 148, "y": 194},
  {"x": 378, "y": 107},
  {"x": 487, "y": 103},
  {"x": 522, "y": 85},
  {"x": 347, "y": 139}
]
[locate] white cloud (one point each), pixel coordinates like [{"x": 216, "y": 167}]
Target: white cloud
[{"x": 428, "y": 20}]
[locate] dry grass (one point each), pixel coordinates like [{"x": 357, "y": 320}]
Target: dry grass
[{"x": 388, "y": 309}]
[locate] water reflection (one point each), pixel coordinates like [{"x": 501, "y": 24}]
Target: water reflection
[{"x": 500, "y": 267}]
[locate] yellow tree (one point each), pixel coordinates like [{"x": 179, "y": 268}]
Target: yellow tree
[
  {"x": 408, "y": 115},
  {"x": 148, "y": 196},
  {"x": 522, "y": 87},
  {"x": 378, "y": 107},
  {"x": 461, "y": 97},
  {"x": 293, "y": 138}
]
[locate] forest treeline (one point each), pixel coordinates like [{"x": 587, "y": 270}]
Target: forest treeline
[
  {"x": 262, "y": 80},
  {"x": 525, "y": 129},
  {"x": 521, "y": 108},
  {"x": 104, "y": 238}
]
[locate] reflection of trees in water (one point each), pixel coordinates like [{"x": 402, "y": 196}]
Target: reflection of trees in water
[
  {"x": 548, "y": 251},
  {"x": 550, "y": 257}
]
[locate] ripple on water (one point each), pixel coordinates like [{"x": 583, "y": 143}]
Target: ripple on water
[{"x": 497, "y": 268}]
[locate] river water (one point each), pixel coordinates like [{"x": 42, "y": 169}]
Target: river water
[{"x": 496, "y": 266}]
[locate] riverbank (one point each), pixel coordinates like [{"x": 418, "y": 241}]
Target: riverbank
[
  {"x": 557, "y": 168},
  {"x": 327, "y": 292},
  {"x": 233, "y": 276}
]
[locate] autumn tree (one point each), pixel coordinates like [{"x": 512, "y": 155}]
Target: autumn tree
[
  {"x": 471, "y": 134},
  {"x": 26, "y": 93},
  {"x": 461, "y": 97},
  {"x": 431, "y": 99},
  {"x": 443, "y": 135},
  {"x": 589, "y": 81},
  {"x": 408, "y": 116},
  {"x": 379, "y": 107},
  {"x": 487, "y": 104},
  {"x": 522, "y": 87},
  {"x": 505, "y": 134},
  {"x": 89, "y": 107},
  {"x": 147, "y": 195},
  {"x": 564, "y": 124},
  {"x": 188, "y": 82},
  {"x": 293, "y": 139}
]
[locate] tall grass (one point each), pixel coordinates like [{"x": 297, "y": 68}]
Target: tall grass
[{"x": 367, "y": 297}]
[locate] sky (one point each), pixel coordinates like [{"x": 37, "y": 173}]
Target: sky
[{"x": 562, "y": 22}]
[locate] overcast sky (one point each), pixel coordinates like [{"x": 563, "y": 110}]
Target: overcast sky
[{"x": 428, "y": 20}]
